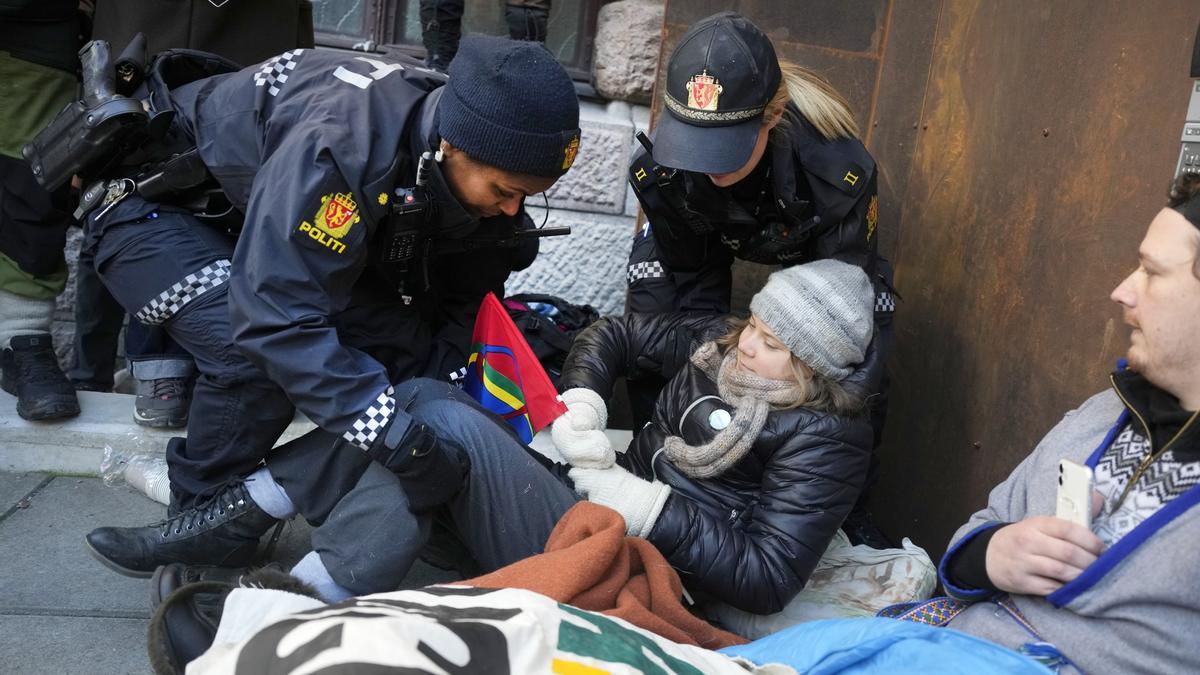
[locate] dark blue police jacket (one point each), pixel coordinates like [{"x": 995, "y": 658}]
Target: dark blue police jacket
[{"x": 311, "y": 146}]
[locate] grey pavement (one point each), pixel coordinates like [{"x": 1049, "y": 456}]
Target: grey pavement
[{"x": 63, "y": 612}]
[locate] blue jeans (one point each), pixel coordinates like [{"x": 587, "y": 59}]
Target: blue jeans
[{"x": 509, "y": 504}]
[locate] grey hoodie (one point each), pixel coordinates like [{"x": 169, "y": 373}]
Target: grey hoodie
[{"x": 1137, "y": 608}]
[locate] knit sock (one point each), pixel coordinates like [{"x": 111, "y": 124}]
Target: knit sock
[
  {"x": 269, "y": 495},
  {"x": 23, "y": 316},
  {"x": 312, "y": 571}
]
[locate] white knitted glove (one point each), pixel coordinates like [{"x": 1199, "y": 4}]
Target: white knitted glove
[
  {"x": 586, "y": 403},
  {"x": 578, "y": 433},
  {"x": 639, "y": 501}
]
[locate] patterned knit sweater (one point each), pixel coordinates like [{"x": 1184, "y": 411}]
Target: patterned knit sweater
[{"x": 1137, "y": 607}]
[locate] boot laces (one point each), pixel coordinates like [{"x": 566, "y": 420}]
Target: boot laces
[
  {"x": 228, "y": 499},
  {"x": 168, "y": 388}
]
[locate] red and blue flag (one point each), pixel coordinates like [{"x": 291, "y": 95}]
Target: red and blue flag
[{"x": 504, "y": 375}]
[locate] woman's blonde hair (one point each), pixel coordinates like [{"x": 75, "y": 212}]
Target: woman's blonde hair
[
  {"x": 817, "y": 391},
  {"x": 822, "y": 105}
]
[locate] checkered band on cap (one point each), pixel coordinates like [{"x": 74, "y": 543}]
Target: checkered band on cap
[
  {"x": 169, "y": 302},
  {"x": 274, "y": 72},
  {"x": 645, "y": 270},
  {"x": 366, "y": 428},
  {"x": 885, "y": 302}
]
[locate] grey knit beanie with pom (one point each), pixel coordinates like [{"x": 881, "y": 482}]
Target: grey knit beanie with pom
[{"x": 824, "y": 312}]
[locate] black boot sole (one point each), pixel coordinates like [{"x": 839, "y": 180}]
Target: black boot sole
[
  {"x": 242, "y": 557},
  {"x": 51, "y": 408},
  {"x": 123, "y": 571},
  {"x": 48, "y": 410}
]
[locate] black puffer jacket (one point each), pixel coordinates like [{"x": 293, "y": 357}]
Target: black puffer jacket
[{"x": 751, "y": 536}]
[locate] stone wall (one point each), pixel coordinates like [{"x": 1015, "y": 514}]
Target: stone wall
[
  {"x": 594, "y": 198},
  {"x": 588, "y": 266},
  {"x": 63, "y": 327},
  {"x": 596, "y": 182},
  {"x": 628, "y": 39}
]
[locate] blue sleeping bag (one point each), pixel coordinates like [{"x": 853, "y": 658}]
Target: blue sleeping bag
[{"x": 883, "y": 646}]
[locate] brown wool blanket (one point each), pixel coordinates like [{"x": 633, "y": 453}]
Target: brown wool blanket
[{"x": 589, "y": 563}]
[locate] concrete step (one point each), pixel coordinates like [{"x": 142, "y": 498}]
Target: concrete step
[{"x": 76, "y": 445}]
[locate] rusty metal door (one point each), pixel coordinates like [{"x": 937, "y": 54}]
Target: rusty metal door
[
  {"x": 1024, "y": 146},
  {"x": 1047, "y": 138}
]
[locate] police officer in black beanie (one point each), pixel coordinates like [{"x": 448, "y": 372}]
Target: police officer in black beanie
[{"x": 316, "y": 304}]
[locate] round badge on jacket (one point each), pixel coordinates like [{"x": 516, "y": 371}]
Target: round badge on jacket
[{"x": 719, "y": 419}]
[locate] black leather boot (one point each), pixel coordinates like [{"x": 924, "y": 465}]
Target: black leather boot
[
  {"x": 223, "y": 531},
  {"x": 170, "y": 578},
  {"x": 32, "y": 374},
  {"x": 188, "y": 605}
]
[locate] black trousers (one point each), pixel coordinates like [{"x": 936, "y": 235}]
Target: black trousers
[
  {"x": 33, "y": 222},
  {"x": 141, "y": 252},
  {"x": 98, "y": 321},
  {"x": 441, "y": 26}
]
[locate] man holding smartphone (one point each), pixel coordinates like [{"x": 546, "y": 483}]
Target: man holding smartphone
[{"x": 1113, "y": 597}]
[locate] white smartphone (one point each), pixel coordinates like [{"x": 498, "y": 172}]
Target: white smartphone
[{"x": 1075, "y": 487}]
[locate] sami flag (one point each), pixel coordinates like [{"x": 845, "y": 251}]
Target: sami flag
[{"x": 505, "y": 376}]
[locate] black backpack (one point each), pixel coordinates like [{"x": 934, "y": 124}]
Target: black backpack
[{"x": 550, "y": 325}]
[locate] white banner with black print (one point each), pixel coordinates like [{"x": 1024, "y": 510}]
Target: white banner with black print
[{"x": 442, "y": 629}]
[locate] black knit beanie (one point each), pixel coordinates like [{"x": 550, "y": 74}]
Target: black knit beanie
[
  {"x": 510, "y": 105},
  {"x": 1184, "y": 197}
]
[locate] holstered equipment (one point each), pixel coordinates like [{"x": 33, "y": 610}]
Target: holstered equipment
[
  {"x": 130, "y": 66},
  {"x": 115, "y": 130},
  {"x": 91, "y": 135}
]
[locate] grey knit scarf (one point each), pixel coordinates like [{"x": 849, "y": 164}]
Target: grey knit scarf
[{"x": 751, "y": 396}]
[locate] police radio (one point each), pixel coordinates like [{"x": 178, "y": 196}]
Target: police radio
[
  {"x": 403, "y": 235},
  {"x": 409, "y": 216},
  {"x": 406, "y": 236},
  {"x": 669, "y": 189}
]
